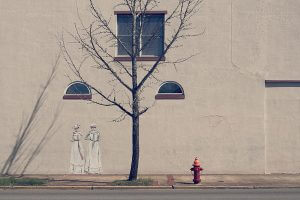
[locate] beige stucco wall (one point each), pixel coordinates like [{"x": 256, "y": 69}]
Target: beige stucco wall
[
  {"x": 222, "y": 120},
  {"x": 282, "y": 130},
  {"x": 281, "y": 47}
]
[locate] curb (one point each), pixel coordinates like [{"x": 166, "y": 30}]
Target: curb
[
  {"x": 140, "y": 187},
  {"x": 85, "y": 187},
  {"x": 235, "y": 187}
]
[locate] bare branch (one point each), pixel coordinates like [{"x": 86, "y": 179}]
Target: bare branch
[
  {"x": 144, "y": 111},
  {"x": 105, "y": 25},
  {"x": 187, "y": 9}
]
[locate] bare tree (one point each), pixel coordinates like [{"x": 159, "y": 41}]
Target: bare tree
[{"x": 98, "y": 38}]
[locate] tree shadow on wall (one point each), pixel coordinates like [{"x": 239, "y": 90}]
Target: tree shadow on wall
[{"x": 29, "y": 142}]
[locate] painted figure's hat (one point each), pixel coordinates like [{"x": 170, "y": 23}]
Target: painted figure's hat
[{"x": 76, "y": 126}]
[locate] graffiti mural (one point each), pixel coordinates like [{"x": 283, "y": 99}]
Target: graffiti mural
[
  {"x": 81, "y": 163},
  {"x": 93, "y": 162},
  {"x": 77, "y": 152}
]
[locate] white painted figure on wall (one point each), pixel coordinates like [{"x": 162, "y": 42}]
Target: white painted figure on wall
[
  {"x": 77, "y": 152},
  {"x": 93, "y": 161}
]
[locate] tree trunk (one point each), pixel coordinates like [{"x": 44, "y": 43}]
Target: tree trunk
[
  {"x": 135, "y": 103},
  {"x": 135, "y": 126},
  {"x": 135, "y": 149}
]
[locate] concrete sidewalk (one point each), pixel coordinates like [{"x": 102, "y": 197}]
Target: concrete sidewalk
[{"x": 172, "y": 181}]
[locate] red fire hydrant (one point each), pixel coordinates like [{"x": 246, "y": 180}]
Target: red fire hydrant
[{"x": 196, "y": 169}]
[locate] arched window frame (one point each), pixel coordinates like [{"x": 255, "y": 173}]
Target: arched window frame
[
  {"x": 159, "y": 96},
  {"x": 77, "y": 96}
]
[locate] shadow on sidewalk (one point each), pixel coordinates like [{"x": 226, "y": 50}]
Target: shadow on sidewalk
[{"x": 185, "y": 183}]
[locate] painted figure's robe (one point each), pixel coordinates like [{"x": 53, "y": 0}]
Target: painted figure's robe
[
  {"x": 93, "y": 162},
  {"x": 77, "y": 154}
]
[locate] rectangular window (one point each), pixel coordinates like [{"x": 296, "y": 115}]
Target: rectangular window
[{"x": 149, "y": 34}]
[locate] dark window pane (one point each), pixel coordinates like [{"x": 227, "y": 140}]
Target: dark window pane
[
  {"x": 127, "y": 43},
  {"x": 124, "y": 24},
  {"x": 152, "y": 46},
  {"x": 153, "y": 25},
  {"x": 78, "y": 88},
  {"x": 170, "y": 88}
]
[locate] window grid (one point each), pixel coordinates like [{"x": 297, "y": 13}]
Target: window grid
[
  {"x": 78, "y": 93},
  {"x": 174, "y": 92},
  {"x": 140, "y": 45}
]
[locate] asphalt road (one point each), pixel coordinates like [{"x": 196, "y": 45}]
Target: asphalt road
[{"x": 217, "y": 194}]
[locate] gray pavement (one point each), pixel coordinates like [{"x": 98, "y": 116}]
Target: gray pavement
[{"x": 226, "y": 194}]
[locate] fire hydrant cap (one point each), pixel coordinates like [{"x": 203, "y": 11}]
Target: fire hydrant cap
[{"x": 196, "y": 163}]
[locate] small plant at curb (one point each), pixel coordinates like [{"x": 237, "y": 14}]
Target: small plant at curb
[
  {"x": 12, "y": 181},
  {"x": 138, "y": 182}
]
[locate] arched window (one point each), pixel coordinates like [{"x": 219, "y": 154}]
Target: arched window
[
  {"x": 78, "y": 90},
  {"x": 170, "y": 90}
]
